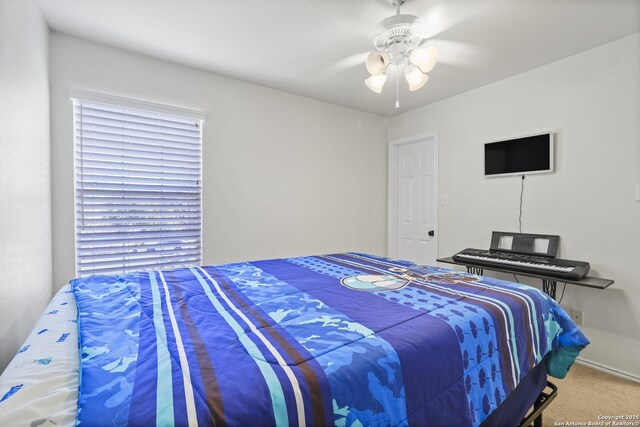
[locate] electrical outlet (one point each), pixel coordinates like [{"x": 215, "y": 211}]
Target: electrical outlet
[
  {"x": 576, "y": 315},
  {"x": 569, "y": 310}
]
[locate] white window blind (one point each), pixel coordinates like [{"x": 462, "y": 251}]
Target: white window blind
[{"x": 137, "y": 189}]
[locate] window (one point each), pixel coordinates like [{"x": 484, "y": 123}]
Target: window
[{"x": 137, "y": 187}]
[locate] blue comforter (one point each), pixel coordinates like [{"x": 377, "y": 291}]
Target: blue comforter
[{"x": 344, "y": 339}]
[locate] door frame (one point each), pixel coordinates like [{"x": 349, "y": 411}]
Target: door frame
[{"x": 392, "y": 196}]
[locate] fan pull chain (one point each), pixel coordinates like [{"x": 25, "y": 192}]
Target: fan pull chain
[{"x": 398, "y": 89}]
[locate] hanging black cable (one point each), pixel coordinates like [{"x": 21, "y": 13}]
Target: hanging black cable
[
  {"x": 520, "y": 215},
  {"x": 562, "y": 296}
]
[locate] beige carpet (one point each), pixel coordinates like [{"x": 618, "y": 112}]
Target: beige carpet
[{"x": 586, "y": 394}]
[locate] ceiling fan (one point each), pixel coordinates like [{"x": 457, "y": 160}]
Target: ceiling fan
[{"x": 401, "y": 44}]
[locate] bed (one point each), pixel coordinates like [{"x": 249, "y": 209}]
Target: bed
[{"x": 341, "y": 339}]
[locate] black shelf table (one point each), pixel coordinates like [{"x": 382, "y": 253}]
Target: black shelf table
[{"x": 549, "y": 283}]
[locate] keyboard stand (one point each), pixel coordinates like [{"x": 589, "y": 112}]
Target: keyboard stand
[
  {"x": 549, "y": 283},
  {"x": 549, "y": 287},
  {"x": 473, "y": 270}
]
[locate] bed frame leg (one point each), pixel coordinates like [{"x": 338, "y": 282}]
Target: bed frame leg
[
  {"x": 539, "y": 406},
  {"x": 538, "y": 421}
]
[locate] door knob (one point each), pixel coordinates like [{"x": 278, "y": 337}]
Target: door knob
[{"x": 431, "y": 233}]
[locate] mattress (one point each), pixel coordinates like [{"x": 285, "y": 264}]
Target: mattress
[
  {"x": 344, "y": 339},
  {"x": 40, "y": 384}
]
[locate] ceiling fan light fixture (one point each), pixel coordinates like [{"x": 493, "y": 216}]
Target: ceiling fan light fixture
[
  {"x": 425, "y": 58},
  {"x": 375, "y": 83},
  {"x": 400, "y": 44},
  {"x": 377, "y": 62},
  {"x": 416, "y": 78}
]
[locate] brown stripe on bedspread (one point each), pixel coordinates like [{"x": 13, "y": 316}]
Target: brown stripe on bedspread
[
  {"x": 212, "y": 389},
  {"x": 502, "y": 326},
  {"x": 523, "y": 306},
  {"x": 315, "y": 392}
]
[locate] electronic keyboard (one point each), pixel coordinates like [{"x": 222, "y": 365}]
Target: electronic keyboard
[{"x": 525, "y": 263}]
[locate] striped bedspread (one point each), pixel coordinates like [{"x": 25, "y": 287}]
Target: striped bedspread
[{"x": 345, "y": 339}]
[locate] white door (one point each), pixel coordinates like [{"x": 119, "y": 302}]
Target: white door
[{"x": 415, "y": 202}]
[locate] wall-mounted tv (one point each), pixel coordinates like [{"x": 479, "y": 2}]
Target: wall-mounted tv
[{"x": 526, "y": 155}]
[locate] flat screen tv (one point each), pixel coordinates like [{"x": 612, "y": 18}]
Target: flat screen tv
[{"x": 526, "y": 155}]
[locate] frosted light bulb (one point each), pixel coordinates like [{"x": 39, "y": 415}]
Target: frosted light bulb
[
  {"x": 416, "y": 79},
  {"x": 377, "y": 62},
  {"x": 375, "y": 83},
  {"x": 425, "y": 58}
]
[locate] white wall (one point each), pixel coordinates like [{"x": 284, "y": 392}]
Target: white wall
[
  {"x": 283, "y": 175},
  {"x": 592, "y": 101},
  {"x": 25, "y": 198}
]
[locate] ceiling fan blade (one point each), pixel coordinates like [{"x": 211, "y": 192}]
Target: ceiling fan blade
[
  {"x": 443, "y": 16},
  {"x": 459, "y": 54},
  {"x": 351, "y": 61},
  {"x": 340, "y": 66}
]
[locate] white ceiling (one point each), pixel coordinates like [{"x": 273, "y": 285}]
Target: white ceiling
[{"x": 316, "y": 48}]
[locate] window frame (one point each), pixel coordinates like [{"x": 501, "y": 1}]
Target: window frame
[{"x": 77, "y": 97}]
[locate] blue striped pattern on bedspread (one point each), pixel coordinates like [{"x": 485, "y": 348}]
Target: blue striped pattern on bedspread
[{"x": 344, "y": 339}]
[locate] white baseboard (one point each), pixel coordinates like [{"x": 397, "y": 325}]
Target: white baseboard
[{"x": 608, "y": 370}]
